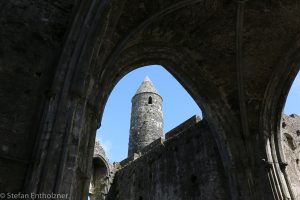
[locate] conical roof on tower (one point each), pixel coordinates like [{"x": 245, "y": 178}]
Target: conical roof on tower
[{"x": 147, "y": 86}]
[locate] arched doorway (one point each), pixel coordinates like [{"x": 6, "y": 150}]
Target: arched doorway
[{"x": 100, "y": 174}]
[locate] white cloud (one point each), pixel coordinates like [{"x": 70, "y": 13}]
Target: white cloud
[{"x": 106, "y": 145}]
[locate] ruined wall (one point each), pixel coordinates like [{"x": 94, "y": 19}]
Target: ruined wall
[
  {"x": 186, "y": 166},
  {"x": 290, "y": 141},
  {"x": 101, "y": 174}
]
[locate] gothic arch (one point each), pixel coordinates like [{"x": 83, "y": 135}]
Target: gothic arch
[
  {"x": 274, "y": 101},
  {"x": 92, "y": 63},
  {"x": 100, "y": 175},
  {"x": 172, "y": 59}
]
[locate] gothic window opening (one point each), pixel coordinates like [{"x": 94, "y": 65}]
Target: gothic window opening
[{"x": 150, "y": 100}]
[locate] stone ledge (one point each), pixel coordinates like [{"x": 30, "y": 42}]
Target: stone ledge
[
  {"x": 183, "y": 126},
  {"x": 152, "y": 145},
  {"x": 129, "y": 159},
  {"x": 145, "y": 150}
]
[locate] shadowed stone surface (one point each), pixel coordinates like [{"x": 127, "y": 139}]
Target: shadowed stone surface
[
  {"x": 184, "y": 167},
  {"x": 31, "y": 39}
]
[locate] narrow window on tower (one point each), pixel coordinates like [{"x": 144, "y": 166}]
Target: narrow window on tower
[{"x": 150, "y": 100}]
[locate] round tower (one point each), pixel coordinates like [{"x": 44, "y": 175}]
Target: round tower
[{"x": 146, "y": 124}]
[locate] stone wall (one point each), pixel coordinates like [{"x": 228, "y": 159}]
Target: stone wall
[
  {"x": 31, "y": 40},
  {"x": 185, "y": 167},
  {"x": 290, "y": 140}
]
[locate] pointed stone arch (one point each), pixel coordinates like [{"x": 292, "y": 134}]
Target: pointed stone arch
[
  {"x": 271, "y": 116},
  {"x": 92, "y": 61}
]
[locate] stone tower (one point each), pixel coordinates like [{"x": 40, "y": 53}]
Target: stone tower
[{"x": 146, "y": 123}]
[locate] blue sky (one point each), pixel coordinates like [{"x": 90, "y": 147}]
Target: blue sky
[
  {"x": 178, "y": 106},
  {"x": 292, "y": 104}
]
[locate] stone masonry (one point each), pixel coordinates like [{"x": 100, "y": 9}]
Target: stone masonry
[{"x": 290, "y": 141}]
